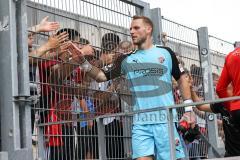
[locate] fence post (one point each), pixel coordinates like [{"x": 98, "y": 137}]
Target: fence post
[
  {"x": 126, "y": 123},
  {"x": 101, "y": 139},
  {"x": 171, "y": 134},
  {"x": 41, "y": 141},
  {"x": 157, "y": 23},
  {"x": 15, "y": 116},
  {"x": 205, "y": 59},
  {"x": 23, "y": 76},
  {"x": 146, "y": 9},
  {"x": 156, "y": 18}
]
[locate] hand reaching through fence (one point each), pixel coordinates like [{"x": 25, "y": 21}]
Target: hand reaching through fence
[
  {"x": 107, "y": 58},
  {"x": 189, "y": 118},
  {"x": 45, "y": 26},
  {"x": 78, "y": 54},
  {"x": 72, "y": 55},
  {"x": 64, "y": 53},
  {"x": 53, "y": 42},
  {"x": 87, "y": 50}
]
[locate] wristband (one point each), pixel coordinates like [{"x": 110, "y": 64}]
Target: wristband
[
  {"x": 188, "y": 108},
  {"x": 86, "y": 66}
]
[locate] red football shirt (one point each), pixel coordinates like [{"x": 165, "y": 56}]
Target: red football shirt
[{"x": 230, "y": 74}]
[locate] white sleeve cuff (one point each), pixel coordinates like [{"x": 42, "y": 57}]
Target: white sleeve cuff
[
  {"x": 188, "y": 108},
  {"x": 86, "y": 66}
]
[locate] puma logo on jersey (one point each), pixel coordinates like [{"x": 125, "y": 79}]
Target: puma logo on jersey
[{"x": 135, "y": 61}]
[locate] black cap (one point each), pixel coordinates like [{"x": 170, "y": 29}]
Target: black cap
[
  {"x": 83, "y": 41},
  {"x": 110, "y": 41},
  {"x": 72, "y": 33},
  {"x": 236, "y": 44}
]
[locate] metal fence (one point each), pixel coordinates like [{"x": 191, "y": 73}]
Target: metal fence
[
  {"x": 219, "y": 48},
  {"x": 70, "y": 112},
  {"x": 183, "y": 40},
  {"x": 60, "y": 132}
]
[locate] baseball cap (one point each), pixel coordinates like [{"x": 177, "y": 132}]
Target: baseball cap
[
  {"x": 110, "y": 41},
  {"x": 72, "y": 33}
]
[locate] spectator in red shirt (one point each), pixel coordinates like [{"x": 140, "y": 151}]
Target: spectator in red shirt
[{"x": 231, "y": 74}]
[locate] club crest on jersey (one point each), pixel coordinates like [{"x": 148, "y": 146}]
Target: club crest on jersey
[
  {"x": 181, "y": 67},
  {"x": 237, "y": 53},
  {"x": 161, "y": 59}
]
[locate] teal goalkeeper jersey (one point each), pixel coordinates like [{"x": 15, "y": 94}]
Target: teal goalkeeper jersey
[{"x": 149, "y": 74}]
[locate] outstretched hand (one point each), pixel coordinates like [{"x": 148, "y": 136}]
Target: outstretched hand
[
  {"x": 46, "y": 26},
  {"x": 190, "y": 118},
  {"x": 70, "y": 51},
  {"x": 108, "y": 58},
  {"x": 55, "y": 41},
  {"x": 86, "y": 50}
]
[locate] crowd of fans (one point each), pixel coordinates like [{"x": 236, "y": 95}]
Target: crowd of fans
[{"x": 69, "y": 98}]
